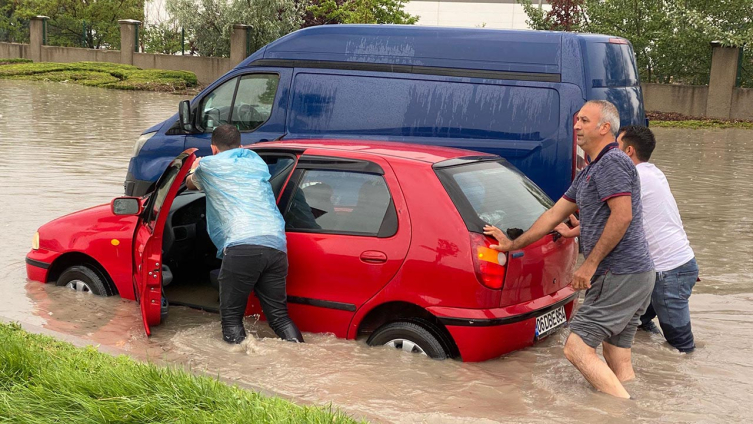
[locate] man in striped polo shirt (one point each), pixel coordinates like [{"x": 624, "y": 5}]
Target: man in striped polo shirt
[{"x": 618, "y": 273}]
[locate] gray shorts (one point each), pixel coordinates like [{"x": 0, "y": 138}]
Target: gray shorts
[{"x": 612, "y": 308}]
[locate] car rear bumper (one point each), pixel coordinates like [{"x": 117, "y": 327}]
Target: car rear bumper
[
  {"x": 482, "y": 334},
  {"x": 38, "y": 263}
]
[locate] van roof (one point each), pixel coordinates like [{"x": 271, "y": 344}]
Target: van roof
[
  {"x": 411, "y": 45},
  {"x": 416, "y": 152}
]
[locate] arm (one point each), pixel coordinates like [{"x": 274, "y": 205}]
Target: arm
[
  {"x": 545, "y": 224},
  {"x": 621, "y": 214},
  {"x": 190, "y": 184}
]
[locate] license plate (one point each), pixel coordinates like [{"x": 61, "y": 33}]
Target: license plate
[{"x": 550, "y": 321}]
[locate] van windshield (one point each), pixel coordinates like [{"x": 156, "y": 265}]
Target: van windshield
[{"x": 494, "y": 192}]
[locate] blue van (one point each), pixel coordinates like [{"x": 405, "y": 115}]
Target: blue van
[{"x": 511, "y": 93}]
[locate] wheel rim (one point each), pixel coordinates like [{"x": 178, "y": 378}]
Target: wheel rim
[
  {"x": 406, "y": 346},
  {"x": 79, "y": 286}
]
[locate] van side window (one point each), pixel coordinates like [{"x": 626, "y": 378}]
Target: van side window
[
  {"x": 338, "y": 202},
  {"x": 253, "y": 103},
  {"x": 244, "y": 102},
  {"x": 216, "y": 106}
]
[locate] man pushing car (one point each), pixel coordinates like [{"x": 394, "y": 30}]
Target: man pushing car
[
  {"x": 249, "y": 232},
  {"x": 618, "y": 272}
]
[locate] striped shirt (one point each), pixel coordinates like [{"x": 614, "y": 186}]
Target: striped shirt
[{"x": 611, "y": 174}]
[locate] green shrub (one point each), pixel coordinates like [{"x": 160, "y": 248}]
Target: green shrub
[{"x": 101, "y": 74}]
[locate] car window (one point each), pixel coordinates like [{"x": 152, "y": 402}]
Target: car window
[
  {"x": 497, "y": 193},
  {"x": 160, "y": 192},
  {"x": 253, "y": 103},
  {"x": 279, "y": 169},
  {"x": 339, "y": 202},
  {"x": 215, "y": 107}
]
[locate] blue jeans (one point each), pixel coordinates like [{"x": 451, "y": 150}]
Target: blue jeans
[{"x": 669, "y": 301}]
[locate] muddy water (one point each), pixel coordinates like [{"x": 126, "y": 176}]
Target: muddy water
[{"x": 64, "y": 148}]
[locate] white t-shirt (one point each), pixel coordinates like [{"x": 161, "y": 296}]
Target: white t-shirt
[{"x": 667, "y": 242}]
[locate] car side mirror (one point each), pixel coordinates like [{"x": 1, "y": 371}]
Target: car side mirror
[
  {"x": 126, "y": 206},
  {"x": 184, "y": 113}
]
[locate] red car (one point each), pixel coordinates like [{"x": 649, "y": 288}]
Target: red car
[{"x": 384, "y": 240}]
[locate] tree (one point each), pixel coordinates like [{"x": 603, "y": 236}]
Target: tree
[
  {"x": 13, "y": 28},
  {"x": 208, "y": 23},
  {"x": 164, "y": 37},
  {"x": 671, "y": 38},
  {"x": 362, "y": 11},
  {"x": 309, "y": 19},
  {"x": 565, "y": 15},
  {"x": 76, "y": 23}
]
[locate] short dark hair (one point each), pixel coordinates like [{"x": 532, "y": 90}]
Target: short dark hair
[
  {"x": 641, "y": 139},
  {"x": 226, "y": 137}
]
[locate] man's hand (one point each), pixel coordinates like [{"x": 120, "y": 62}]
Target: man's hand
[
  {"x": 505, "y": 244},
  {"x": 568, "y": 232},
  {"x": 583, "y": 275},
  {"x": 195, "y": 164}
]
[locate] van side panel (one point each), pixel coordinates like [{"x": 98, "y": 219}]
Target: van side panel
[
  {"x": 462, "y": 48},
  {"x": 520, "y": 121}
]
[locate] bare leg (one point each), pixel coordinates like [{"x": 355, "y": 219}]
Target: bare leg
[
  {"x": 619, "y": 361},
  {"x": 596, "y": 371}
]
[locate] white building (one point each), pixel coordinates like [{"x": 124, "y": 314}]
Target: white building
[{"x": 502, "y": 14}]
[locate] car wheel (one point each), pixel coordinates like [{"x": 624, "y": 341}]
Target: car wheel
[
  {"x": 83, "y": 279},
  {"x": 415, "y": 337}
]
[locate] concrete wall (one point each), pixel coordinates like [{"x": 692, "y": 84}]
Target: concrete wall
[
  {"x": 14, "y": 51},
  {"x": 74, "y": 54},
  {"x": 207, "y": 69},
  {"x": 685, "y": 99},
  {"x": 742, "y": 104}
]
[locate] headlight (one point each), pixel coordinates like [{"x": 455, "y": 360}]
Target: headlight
[
  {"x": 140, "y": 142},
  {"x": 35, "y": 241}
]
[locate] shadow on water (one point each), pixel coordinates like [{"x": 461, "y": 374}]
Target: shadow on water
[{"x": 64, "y": 148}]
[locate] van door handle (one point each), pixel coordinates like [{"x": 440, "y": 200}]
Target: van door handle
[{"x": 373, "y": 257}]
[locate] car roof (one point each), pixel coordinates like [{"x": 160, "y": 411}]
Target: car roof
[{"x": 409, "y": 151}]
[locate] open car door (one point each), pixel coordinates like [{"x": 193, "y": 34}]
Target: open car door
[{"x": 147, "y": 243}]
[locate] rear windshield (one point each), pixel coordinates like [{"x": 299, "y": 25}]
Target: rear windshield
[
  {"x": 494, "y": 192},
  {"x": 611, "y": 65}
]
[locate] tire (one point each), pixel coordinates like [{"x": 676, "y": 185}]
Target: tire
[
  {"x": 417, "y": 336},
  {"x": 83, "y": 279}
]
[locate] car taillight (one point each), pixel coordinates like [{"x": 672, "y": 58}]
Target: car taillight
[
  {"x": 489, "y": 264},
  {"x": 579, "y": 156}
]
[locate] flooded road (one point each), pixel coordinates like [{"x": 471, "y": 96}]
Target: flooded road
[{"x": 64, "y": 148}]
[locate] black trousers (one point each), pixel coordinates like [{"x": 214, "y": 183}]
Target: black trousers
[{"x": 259, "y": 269}]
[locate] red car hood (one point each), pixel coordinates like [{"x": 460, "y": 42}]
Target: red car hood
[{"x": 75, "y": 231}]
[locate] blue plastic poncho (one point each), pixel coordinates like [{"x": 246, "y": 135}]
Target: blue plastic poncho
[{"x": 241, "y": 207}]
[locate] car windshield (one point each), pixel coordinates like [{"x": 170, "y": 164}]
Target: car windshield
[{"x": 494, "y": 192}]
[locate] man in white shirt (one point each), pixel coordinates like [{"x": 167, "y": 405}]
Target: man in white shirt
[{"x": 674, "y": 260}]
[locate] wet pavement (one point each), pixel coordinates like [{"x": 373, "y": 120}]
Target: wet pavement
[{"x": 66, "y": 147}]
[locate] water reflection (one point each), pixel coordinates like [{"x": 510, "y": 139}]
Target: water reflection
[{"x": 63, "y": 148}]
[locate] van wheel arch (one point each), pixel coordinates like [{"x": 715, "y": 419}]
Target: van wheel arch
[
  {"x": 390, "y": 312},
  {"x": 68, "y": 260}
]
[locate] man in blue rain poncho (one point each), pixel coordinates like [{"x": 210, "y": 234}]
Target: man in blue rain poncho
[{"x": 249, "y": 232}]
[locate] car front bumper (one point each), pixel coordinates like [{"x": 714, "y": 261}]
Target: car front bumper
[
  {"x": 482, "y": 334},
  {"x": 38, "y": 263}
]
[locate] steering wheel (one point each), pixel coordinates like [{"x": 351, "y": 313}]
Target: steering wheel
[{"x": 248, "y": 117}]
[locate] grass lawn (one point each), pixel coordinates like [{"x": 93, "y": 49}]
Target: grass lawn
[
  {"x": 100, "y": 74},
  {"x": 43, "y": 380}
]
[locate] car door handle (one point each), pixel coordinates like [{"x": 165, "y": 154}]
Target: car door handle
[{"x": 373, "y": 257}]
